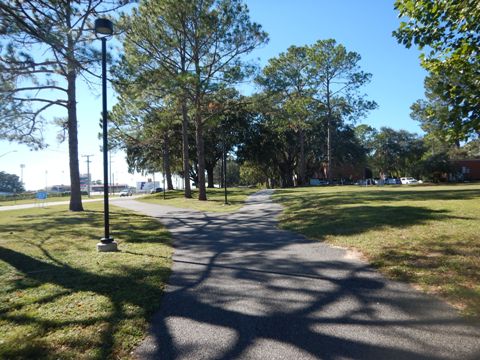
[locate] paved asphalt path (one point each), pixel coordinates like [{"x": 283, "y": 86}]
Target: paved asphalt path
[{"x": 243, "y": 289}]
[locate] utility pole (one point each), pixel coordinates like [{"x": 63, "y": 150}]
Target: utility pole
[
  {"x": 22, "y": 166},
  {"x": 88, "y": 172}
]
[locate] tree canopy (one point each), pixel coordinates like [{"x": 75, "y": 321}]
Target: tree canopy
[
  {"x": 448, "y": 32},
  {"x": 10, "y": 183},
  {"x": 189, "y": 50},
  {"x": 44, "y": 47}
]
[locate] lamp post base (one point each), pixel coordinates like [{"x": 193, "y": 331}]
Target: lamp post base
[{"x": 109, "y": 246}]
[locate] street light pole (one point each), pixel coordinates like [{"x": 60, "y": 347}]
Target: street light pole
[
  {"x": 225, "y": 165},
  {"x": 104, "y": 29}
]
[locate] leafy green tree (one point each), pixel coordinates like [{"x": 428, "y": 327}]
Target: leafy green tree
[
  {"x": 196, "y": 47},
  {"x": 339, "y": 79},
  {"x": 220, "y": 32},
  {"x": 309, "y": 85},
  {"x": 435, "y": 166},
  {"x": 269, "y": 147},
  {"x": 252, "y": 174},
  {"x": 228, "y": 118},
  {"x": 347, "y": 150},
  {"x": 437, "y": 116},
  {"x": 45, "y": 47},
  {"x": 470, "y": 150},
  {"x": 366, "y": 135},
  {"x": 10, "y": 183},
  {"x": 150, "y": 141},
  {"x": 449, "y": 34},
  {"x": 288, "y": 81},
  {"x": 156, "y": 64},
  {"x": 396, "y": 152}
]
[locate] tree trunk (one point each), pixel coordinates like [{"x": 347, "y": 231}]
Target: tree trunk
[
  {"x": 302, "y": 179},
  {"x": 166, "y": 162},
  {"x": 202, "y": 191},
  {"x": 329, "y": 134},
  {"x": 329, "y": 149},
  {"x": 286, "y": 174},
  {"x": 209, "y": 167},
  {"x": 185, "y": 122},
  {"x": 75, "y": 193},
  {"x": 222, "y": 173},
  {"x": 186, "y": 160}
]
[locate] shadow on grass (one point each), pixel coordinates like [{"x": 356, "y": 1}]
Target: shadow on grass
[
  {"x": 136, "y": 228},
  {"x": 324, "y": 221},
  {"x": 304, "y": 198},
  {"x": 119, "y": 290},
  {"x": 49, "y": 270}
]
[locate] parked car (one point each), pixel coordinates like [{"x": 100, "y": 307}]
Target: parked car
[
  {"x": 318, "y": 182},
  {"x": 392, "y": 181},
  {"x": 408, "y": 180},
  {"x": 156, "y": 190},
  {"x": 365, "y": 182},
  {"x": 125, "y": 192}
]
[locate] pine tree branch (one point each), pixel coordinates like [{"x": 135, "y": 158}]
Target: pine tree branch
[
  {"x": 63, "y": 103},
  {"x": 34, "y": 88}
]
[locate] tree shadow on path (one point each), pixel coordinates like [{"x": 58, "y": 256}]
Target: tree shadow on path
[{"x": 242, "y": 288}]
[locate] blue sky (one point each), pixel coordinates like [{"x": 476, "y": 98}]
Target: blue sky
[{"x": 363, "y": 26}]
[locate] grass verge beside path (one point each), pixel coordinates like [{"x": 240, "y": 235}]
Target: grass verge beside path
[
  {"x": 61, "y": 299},
  {"x": 426, "y": 235},
  {"x": 46, "y": 201},
  {"x": 215, "y": 199}
]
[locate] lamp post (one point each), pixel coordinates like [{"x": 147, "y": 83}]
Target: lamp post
[
  {"x": 103, "y": 30},
  {"x": 224, "y": 167},
  {"x": 22, "y": 166}
]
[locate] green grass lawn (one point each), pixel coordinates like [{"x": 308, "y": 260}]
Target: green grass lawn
[
  {"x": 215, "y": 199},
  {"x": 61, "y": 299},
  {"x": 47, "y": 200},
  {"x": 426, "y": 235}
]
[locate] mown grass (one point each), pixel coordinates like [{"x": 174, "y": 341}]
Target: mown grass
[
  {"x": 215, "y": 199},
  {"x": 61, "y": 299},
  {"x": 426, "y": 235},
  {"x": 13, "y": 201}
]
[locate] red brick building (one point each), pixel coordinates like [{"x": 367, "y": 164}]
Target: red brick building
[{"x": 469, "y": 169}]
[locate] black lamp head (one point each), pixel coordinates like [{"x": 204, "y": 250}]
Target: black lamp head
[{"x": 103, "y": 28}]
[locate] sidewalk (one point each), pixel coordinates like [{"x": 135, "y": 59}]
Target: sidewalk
[{"x": 243, "y": 289}]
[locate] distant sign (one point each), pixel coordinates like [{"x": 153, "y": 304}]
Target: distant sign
[
  {"x": 147, "y": 185},
  {"x": 42, "y": 195}
]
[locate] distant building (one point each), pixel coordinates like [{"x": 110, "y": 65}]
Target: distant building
[
  {"x": 111, "y": 188},
  {"x": 467, "y": 170},
  {"x": 59, "y": 188}
]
